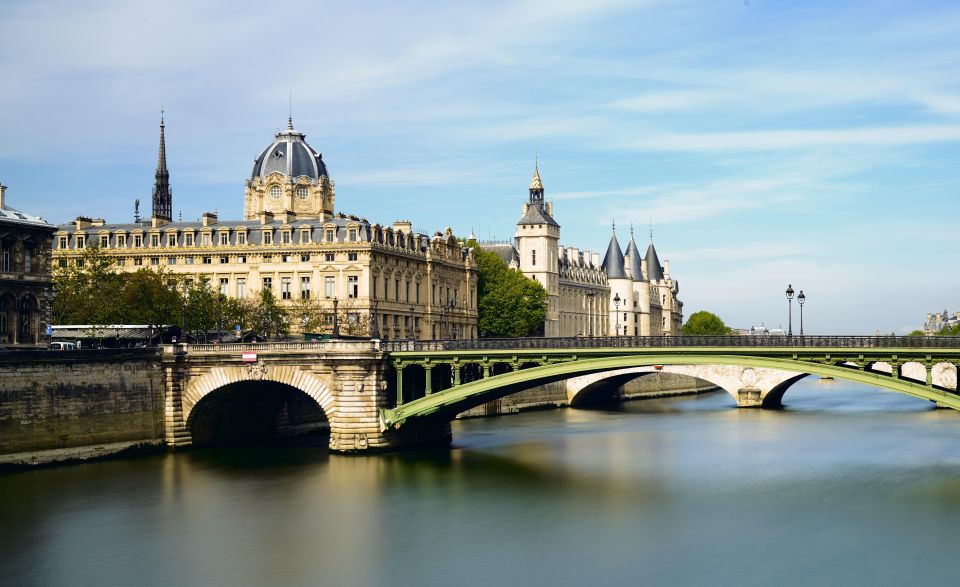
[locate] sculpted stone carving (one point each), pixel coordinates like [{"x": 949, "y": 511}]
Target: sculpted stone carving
[{"x": 257, "y": 370}]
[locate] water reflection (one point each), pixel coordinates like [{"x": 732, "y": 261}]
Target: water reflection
[{"x": 846, "y": 485}]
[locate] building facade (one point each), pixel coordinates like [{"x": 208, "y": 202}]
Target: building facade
[
  {"x": 26, "y": 284},
  {"x": 387, "y": 281},
  {"x": 625, "y": 294}
]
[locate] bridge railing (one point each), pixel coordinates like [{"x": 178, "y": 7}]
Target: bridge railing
[{"x": 734, "y": 341}]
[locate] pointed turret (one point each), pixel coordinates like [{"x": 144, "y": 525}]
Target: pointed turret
[
  {"x": 536, "y": 211},
  {"x": 162, "y": 197},
  {"x": 633, "y": 254},
  {"x": 613, "y": 261},
  {"x": 535, "y": 183},
  {"x": 654, "y": 269}
]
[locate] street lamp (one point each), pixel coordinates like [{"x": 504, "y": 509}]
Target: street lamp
[
  {"x": 800, "y": 299},
  {"x": 789, "y": 310},
  {"x": 374, "y": 323},
  {"x": 410, "y": 327},
  {"x": 616, "y": 310},
  {"x": 336, "y": 319}
]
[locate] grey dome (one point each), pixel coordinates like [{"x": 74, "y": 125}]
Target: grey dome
[{"x": 290, "y": 155}]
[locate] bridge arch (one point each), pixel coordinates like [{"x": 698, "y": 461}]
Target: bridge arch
[
  {"x": 257, "y": 396},
  {"x": 446, "y": 404}
]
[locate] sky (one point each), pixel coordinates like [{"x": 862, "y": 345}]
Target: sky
[{"x": 768, "y": 143}]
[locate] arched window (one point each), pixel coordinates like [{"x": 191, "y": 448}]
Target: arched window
[
  {"x": 302, "y": 192},
  {"x": 275, "y": 192}
]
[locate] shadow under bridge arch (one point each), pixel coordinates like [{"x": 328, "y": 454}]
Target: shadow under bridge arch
[{"x": 229, "y": 408}]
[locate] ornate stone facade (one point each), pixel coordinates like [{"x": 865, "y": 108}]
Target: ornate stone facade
[
  {"x": 25, "y": 278},
  {"x": 390, "y": 281}
]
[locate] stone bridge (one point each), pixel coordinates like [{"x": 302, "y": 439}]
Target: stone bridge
[{"x": 373, "y": 394}]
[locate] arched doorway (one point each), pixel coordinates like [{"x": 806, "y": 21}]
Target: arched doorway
[
  {"x": 28, "y": 320},
  {"x": 8, "y": 318}
]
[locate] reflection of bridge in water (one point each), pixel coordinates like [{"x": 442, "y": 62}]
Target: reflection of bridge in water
[{"x": 389, "y": 394}]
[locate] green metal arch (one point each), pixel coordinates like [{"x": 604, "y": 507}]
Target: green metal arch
[{"x": 452, "y": 401}]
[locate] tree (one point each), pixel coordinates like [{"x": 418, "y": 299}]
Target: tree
[
  {"x": 88, "y": 291},
  {"x": 508, "y": 303},
  {"x": 151, "y": 297},
  {"x": 704, "y": 323},
  {"x": 269, "y": 319}
]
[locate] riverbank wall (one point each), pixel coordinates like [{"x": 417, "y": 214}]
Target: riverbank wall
[
  {"x": 555, "y": 395},
  {"x": 60, "y": 406}
]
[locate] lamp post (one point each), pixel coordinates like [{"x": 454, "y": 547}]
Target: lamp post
[
  {"x": 336, "y": 319},
  {"x": 374, "y": 323},
  {"x": 789, "y": 310},
  {"x": 410, "y": 327},
  {"x": 616, "y": 310},
  {"x": 800, "y": 299}
]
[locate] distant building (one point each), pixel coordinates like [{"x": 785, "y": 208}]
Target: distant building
[
  {"x": 940, "y": 320},
  {"x": 626, "y": 294},
  {"x": 26, "y": 283}
]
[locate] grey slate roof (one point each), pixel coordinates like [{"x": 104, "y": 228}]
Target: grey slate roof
[
  {"x": 633, "y": 254},
  {"x": 14, "y": 216},
  {"x": 613, "y": 260},
  {"x": 290, "y": 155},
  {"x": 537, "y": 215},
  {"x": 654, "y": 269},
  {"x": 505, "y": 251}
]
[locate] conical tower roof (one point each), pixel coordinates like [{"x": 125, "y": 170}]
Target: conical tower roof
[
  {"x": 633, "y": 254},
  {"x": 654, "y": 269},
  {"x": 535, "y": 182},
  {"x": 613, "y": 260}
]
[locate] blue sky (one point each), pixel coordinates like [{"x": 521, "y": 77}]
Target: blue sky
[{"x": 814, "y": 143}]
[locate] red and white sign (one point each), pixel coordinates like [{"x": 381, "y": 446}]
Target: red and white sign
[{"x": 249, "y": 357}]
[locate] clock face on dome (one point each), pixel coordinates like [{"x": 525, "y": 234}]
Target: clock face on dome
[{"x": 302, "y": 193}]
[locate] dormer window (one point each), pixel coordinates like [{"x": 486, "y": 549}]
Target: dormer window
[
  {"x": 305, "y": 235},
  {"x": 138, "y": 240},
  {"x": 352, "y": 234},
  {"x": 104, "y": 241},
  {"x": 171, "y": 240},
  {"x": 63, "y": 242},
  {"x": 329, "y": 235},
  {"x": 302, "y": 192},
  {"x": 275, "y": 191},
  {"x": 205, "y": 239},
  {"x": 241, "y": 238},
  {"x": 154, "y": 240},
  {"x": 268, "y": 237},
  {"x": 285, "y": 237},
  {"x": 224, "y": 238},
  {"x": 188, "y": 239}
]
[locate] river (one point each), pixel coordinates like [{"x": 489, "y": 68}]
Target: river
[{"x": 848, "y": 485}]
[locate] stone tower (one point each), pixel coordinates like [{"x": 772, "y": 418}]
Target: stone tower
[{"x": 538, "y": 238}]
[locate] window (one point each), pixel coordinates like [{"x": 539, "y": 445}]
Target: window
[
  {"x": 396, "y": 289},
  {"x": 154, "y": 260},
  {"x": 241, "y": 238},
  {"x": 268, "y": 283},
  {"x": 302, "y": 192},
  {"x": 205, "y": 239},
  {"x": 305, "y": 236},
  {"x": 241, "y": 287},
  {"x": 79, "y": 262},
  {"x": 305, "y": 288},
  {"x": 353, "y": 286},
  {"x": 188, "y": 260},
  {"x": 386, "y": 287},
  {"x": 352, "y": 234},
  {"x": 328, "y": 257},
  {"x": 154, "y": 240},
  {"x": 267, "y": 258},
  {"x": 285, "y": 288},
  {"x": 121, "y": 240},
  {"x": 138, "y": 261},
  {"x": 81, "y": 242},
  {"x": 171, "y": 260},
  {"x": 305, "y": 258},
  {"x": 418, "y": 292},
  {"x": 268, "y": 237},
  {"x": 351, "y": 256},
  {"x": 285, "y": 237},
  {"x": 241, "y": 258},
  {"x": 5, "y": 263},
  {"x": 275, "y": 192},
  {"x": 27, "y": 258},
  {"x": 224, "y": 259},
  {"x": 104, "y": 241},
  {"x": 285, "y": 258},
  {"x": 138, "y": 240},
  {"x": 329, "y": 287},
  {"x": 328, "y": 235},
  {"x": 171, "y": 240},
  {"x": 224, "y": 238},
  {"x": 207, "y": 260},
  {"x": 120, "y": 262},
  {"x": 63, "y": 265},
  {"x": 63, "y": 242},
  {"x": 533, "y": 257},
  {"x": 189, "y": 239},
  {"x": 406, "y": 291},
  {"x": 224, "y": 285}
]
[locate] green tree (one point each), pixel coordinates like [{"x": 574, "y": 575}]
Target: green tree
[
  {"x": 704, "y": 323},
  {"x": 88, "y": 291},
  {"x": 508, "y": 303},
  {"x": 917, "y": 333},
  {"x": 151, "y": 297},
  {"x": 269, "y": 318}
]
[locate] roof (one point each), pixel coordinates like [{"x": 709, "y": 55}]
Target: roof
[
  {"x": 290, "y": 155},
  {"x": 505, "y": 251},
  {"x": 613, "y": 260},
  {"x": 14, "y": 216},
  {"x": 537, "y": 215},
  {"x": 654, "y": 268},
  {"x": 633, "y": 254}
]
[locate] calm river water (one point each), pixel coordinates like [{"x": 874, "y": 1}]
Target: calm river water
[{"x": 847, "y": 486}]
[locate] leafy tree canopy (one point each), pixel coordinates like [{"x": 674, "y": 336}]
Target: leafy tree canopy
[
  {"x": 704, "y": 323},
  {"x": 509, "y": 304}
]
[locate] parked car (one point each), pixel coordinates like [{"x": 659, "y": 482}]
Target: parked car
[{"x": 63, "y": 346}]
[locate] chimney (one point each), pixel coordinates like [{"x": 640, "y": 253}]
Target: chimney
[
  {"x": 3, "y": 191},
  {"x": 208, "y": 218},
  {"x": 98, "y": 222},
  {"x": 83, "y": 222},
  {"x": 266, "y": 217},
  {"x": 405, "y": 225},
  {"x": 666, "y": 268},
  {"x": 287, "y": 216},
  {"x": 595, "y": 257},
  {"x": 158, "y": 221}
]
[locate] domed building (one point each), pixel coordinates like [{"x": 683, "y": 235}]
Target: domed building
[{"x": 385, "y": 281}]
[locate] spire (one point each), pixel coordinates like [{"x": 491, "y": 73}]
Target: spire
[
  {"x": 290, "y": 112},
  {"x": 613, "y": 260},
  {"x": 535, "y": 183},
  {"x": 162, "y": 198},
  {"x": 633, "y": 258},
  {"x": 654, "y": 269}
]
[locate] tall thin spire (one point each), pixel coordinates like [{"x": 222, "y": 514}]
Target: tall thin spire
[
  {"x": 162, "y": 197},
  {"x": 290, "y": 112}
]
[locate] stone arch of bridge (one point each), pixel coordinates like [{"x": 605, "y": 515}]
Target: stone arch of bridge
[
  {"x": 222, "y": 377},
  {"x": 446, "y": 404}
]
